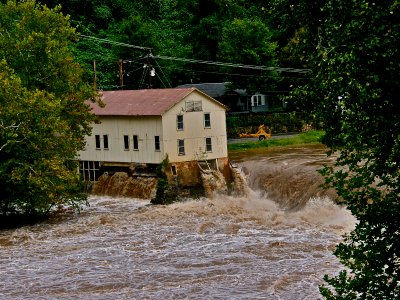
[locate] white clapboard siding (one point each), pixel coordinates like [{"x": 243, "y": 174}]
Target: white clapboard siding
[{"x": 163, "y": 125}]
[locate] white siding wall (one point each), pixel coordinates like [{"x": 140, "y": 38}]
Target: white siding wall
[
  {"x": 194, "y": 132},
  {"x": 116, "y": 127},
  {"x": 194, "y": 135}
]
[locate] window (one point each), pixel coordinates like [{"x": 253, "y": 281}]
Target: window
[
  {"x": 197, "y": 106},
  {"x": 97, "y": 137},
  {"x": 181, "y": 147},
  {"x": 179, "y": 122},
  {"x": 135, "y": 142},
  {"x": 89, "y": 170},
  {"x": 157, "y": 143},
  {"x": 208, "y": 145},
  {"x": 126, "y": 142},
  {"x": 173, "y": 170},
  {"x": 105, "y": 141},
  {"x": 194, "y": 106},
  {"x": 98, "y": 141},
  {"x": 258, "y": 100},
  {"x": 207, "y": 120}
]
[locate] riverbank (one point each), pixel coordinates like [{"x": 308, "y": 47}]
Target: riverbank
[{"x": 308, "y": 137}]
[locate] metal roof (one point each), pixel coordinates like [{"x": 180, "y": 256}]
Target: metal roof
[{"x": 149, "y": 102}]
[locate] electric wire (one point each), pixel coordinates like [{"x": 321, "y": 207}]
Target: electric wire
[
  {"x": 189, "y": 60},
  {"x": 238, "y": 74},
  {"x": 113, "y": 42},
  {"x": 166, "y": 79},
  {"x": 132, "y": 60},
  {"x": 143, "y": 76},
  {"x": 223, "y": 64},
  {"x": 162, "y": 82}
]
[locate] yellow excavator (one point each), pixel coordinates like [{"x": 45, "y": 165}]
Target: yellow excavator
[{"x": 261, "y": 134}]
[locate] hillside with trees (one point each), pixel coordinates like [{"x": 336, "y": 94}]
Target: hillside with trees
[
  {"x": 48, "y": 63},
  {"x": 166, "y": 34}
]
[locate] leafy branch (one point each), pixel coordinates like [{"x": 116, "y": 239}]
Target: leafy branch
[{"x": 10, "y": 133}]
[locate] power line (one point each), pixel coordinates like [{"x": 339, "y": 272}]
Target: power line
[
  {"x": 215, "y": 63},
  {"x": 132, "y": 60},
  {"x": 113, "y": 42},
  {"x": 235, "y": 74},
  {"x": 166, "y": 79}
]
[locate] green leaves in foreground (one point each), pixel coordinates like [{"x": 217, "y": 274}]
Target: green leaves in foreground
[
  {"x": 43, "y": 117},
  {"x": 355, "y": 93}
]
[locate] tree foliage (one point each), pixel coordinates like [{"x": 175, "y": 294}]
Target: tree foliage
[
  {"x": 354, "y": 92},
  {"x": 43, "y": 117},
  {"x": 233, "y": 32},
  {"x": 195, "y": 29},
  {"x": 352, "y": 47}
]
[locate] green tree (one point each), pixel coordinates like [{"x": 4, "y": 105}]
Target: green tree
[
  {"x": 126, "y": 21},
  {"x": 354, "y": 93},
  {"x": 248, "y": 41},
  {"x": 233, "y": 32},
  {"x": 198, "y": 29},
  {"x": 43, "y": 117},
  {"x": 295, "y": 26}
]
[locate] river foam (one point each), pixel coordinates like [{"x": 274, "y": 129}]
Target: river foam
[{"x": 244, "y": 247}]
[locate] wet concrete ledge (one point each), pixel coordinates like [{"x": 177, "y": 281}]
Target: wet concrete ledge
[{"x": 185, "y": 179}]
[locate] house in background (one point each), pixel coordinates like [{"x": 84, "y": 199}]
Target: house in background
[
  {"x": 269, "y": 102},
  {"x": 236, "y": 100},
  {"x": 259, "y": 103},
  {"x": 138, "y": 129}
]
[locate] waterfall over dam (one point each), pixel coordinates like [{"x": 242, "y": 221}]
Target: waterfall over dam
[{"x": 273, "y": 241}]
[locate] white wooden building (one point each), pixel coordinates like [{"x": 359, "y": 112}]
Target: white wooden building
[{"x": 144, "y": 126}]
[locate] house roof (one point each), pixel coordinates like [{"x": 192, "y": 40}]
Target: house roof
[
  {"x": 149, "y": 102},
  {"x": 213, "y": 89}
]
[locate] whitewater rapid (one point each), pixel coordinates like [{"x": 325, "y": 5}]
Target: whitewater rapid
[{"x": 248, "y": 247}]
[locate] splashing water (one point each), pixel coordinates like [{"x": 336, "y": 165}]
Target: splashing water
[{"x": 245, "y": 247}]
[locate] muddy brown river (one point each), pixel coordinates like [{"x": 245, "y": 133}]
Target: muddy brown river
[{"x": 274, "y": 243}]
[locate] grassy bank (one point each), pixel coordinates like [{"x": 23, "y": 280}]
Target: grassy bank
[{"x": 312, "y": 136}]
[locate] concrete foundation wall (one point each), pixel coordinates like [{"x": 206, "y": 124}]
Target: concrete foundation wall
[
  {"x": 189, "y": 173},
  {"x": 138, "y": 180}
]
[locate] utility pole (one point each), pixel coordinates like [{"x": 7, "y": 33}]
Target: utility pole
[
  {"x": 150, "y": 69},
  {"x": 121, "y": 75},
  {"x": 95, "y": 76}
]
